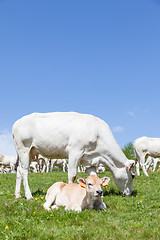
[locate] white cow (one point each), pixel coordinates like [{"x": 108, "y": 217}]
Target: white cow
[
  {"x": 72, "y": 196},
  {"x": 61, "y": 163},
  {"x": 81, "y": 138},
  {"x": 34, "y": 167},
  {"x": 100, "y": 168},
  {"x": 152, "y": 161},
  {"x": 8, "y": 161},
  {"x": 145, "y": 147}
]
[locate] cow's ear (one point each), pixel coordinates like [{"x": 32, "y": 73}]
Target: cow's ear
[
  {"x": 82, "y": 182},
  {"x": 130, "y": 164},
  {"x": 105, "y": 181}
]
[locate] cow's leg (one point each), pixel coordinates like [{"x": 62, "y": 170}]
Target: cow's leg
[
  {"x": 137, "y": 168},
  {"x": 28, "y": 194},
  {"x": 142, "y": 163},
  {"x": 74, "y": 159},
  {"x": 63, "y": 167},
  {"x": 154, "y": 164},
  {"x": 18, "y": 183},
  {"x": 24, "y": 163},
  {"x": 48, "y": 203},
  {"x": 73, "y": 207}
]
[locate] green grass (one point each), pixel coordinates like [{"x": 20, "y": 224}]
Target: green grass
[{"x": 123, "y": 218}]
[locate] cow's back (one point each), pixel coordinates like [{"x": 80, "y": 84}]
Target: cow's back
[
  {"x": 53, "y": 134},
  {"x": 147, "y": 146},
  {"x": 62, "y": 125}
]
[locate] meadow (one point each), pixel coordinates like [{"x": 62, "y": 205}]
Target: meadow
[{"x": 126, "y": 217}]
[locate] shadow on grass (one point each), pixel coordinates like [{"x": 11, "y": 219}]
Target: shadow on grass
[
  {"x": 39, "y": 192},
  {"x": 111, "y": 191},
  {"x": 114, "y": 192}
]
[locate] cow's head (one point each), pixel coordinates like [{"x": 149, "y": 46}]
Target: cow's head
[
  {"x": 123, "y": 177},
  {"x": 93, "y": 185}
]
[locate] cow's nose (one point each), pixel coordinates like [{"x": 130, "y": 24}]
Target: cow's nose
[
  {"x": 133, "y": 176},
  {"x": 100, "y": 192}
]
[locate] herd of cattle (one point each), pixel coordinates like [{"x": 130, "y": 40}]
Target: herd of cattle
[
  {"x": 45, "y": 140},
  {"x": 42, "y": 164}
]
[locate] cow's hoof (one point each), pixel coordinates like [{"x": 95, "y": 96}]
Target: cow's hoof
[
  {"x": 30, "y": 199},
  {"x": 17, "y": 196}
]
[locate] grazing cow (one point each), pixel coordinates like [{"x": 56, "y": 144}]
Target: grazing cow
[
  {"x": 80, "y": 138},
  {"x": 77, "y": 197},
  {"x": 8, "y": 161},
  {"x": 60, "y": 163},
  {"x": 152, "y": 161},
  {"x": 145, "y": 147}
]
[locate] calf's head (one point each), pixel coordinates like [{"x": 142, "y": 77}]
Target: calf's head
[{"x": 93, "y": 185}]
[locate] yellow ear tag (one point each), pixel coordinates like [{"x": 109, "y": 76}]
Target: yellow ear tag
[
  {"x": 82, "y": 185},
  {"x": 104, "y": 184}
]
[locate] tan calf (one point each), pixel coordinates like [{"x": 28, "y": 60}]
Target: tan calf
[{"x": 87, "y": 194}]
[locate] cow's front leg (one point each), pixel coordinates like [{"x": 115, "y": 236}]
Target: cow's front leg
[
  {"x": 72, "y": 173},
  {"x": 74, "y": 159},
  {"x": 142, "y": 163},
  {"x": 137, "y": 168},
  {"x": 99, "y": 204}
]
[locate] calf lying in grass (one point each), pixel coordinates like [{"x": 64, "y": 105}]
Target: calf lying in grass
[{"x": 72, "y": 196}]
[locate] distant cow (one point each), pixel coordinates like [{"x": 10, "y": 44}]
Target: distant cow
[
  {"x": 152, "y": 161},
  {"x": 80, "y": 138},
  {"x": 34, "y": 167},
  {"x": 60, "y": 163},
  {"x": 9, "y": 161},
  {"x": 77, "y": 197},
  {"x": 145, "y": 147}
]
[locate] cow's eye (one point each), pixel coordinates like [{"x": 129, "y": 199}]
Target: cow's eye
[{"x": 90, "y": 184}]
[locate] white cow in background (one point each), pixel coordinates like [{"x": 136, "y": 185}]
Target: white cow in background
[
  {"x": 43, "y": 163},
  {"x": 145, "y": 147},
  {"x": 100, "y": 168},
  {"x": 8, "y": 161},
  {"x": 34, "y": 167},
  {"x": 60, "y": 163},
  {"x": 152, "y": 162},
  {"x": 80, "y": 138}
]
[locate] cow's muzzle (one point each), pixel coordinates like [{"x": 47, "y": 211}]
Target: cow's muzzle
[{"x": 99, "y": 192}]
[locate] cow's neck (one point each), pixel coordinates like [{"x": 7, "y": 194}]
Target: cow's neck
[{"x": 87, "y": 201}]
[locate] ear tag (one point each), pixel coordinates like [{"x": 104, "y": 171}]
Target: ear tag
[
  {"x": 128, "y": 169},
  {"x": 105, "y": 184},
  {"x": 82, "y": 185}
]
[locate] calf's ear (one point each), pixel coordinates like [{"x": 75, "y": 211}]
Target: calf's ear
[
  {"x": 82, "y": 182},
  {"x": 105, "y": 181}
]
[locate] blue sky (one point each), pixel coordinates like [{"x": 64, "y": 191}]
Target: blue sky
[{"x": 97, "y": 57}]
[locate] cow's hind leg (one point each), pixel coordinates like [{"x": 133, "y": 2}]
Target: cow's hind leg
[
  {"x": 24, "y": 166},
  {"x": 137, "y": 168},
  {"x": 51, "y": 198},
  {"x": 73, "y": 207}
]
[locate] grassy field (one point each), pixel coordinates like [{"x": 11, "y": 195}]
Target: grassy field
[{"x": 130, "y": 217}]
